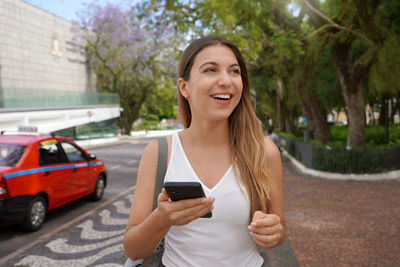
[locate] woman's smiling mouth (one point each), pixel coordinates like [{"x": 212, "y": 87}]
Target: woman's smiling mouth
[
  {"x": 223, "y": 99},
  {"x": 222, "y": 96}
]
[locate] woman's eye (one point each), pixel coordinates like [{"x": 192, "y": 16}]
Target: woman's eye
[
  {"x": 209, "y": 70},
  {"x": 236, "y": 71}
]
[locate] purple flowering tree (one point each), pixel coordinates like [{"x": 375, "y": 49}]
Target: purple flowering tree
[{"x": 132, "y": 52}]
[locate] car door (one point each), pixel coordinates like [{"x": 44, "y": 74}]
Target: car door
[
  {"x": 55, "y": 172},
  {"x": 80, "y": 183}
]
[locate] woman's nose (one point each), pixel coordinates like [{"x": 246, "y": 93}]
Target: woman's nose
[{"x": 224, "y": 79}]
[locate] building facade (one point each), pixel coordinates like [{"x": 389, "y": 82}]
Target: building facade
[{"x": 45, "y": 80}]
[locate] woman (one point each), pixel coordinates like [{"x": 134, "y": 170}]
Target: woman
[{"x": 223, "y": 148}]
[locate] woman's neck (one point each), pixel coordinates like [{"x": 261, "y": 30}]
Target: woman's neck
[{"x": 208, "y": 133}]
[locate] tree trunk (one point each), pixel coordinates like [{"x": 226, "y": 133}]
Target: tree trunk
[
  {"x": 350, "y": 79},
  {"x": 131, "y": 104},
  {"x": 278, "y": 97},
  {"x": 356, "y": 112},
  {"x": 314, "y": 113}
]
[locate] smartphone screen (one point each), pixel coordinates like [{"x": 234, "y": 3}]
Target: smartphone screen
[{"x": 185, "y": 190}]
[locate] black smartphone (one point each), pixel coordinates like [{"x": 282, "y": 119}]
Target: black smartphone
[{"x": 184, "y": 190}]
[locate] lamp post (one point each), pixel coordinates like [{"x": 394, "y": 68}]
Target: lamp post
[{"x": 90, "y": 114}]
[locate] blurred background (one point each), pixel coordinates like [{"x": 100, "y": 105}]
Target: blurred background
[{"x": 324, "y": 74}]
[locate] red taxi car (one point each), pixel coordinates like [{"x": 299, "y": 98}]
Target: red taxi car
[{"x": 41, "y": 172}]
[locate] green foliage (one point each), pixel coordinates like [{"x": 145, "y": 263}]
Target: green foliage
[
  {"x": 385, "y": 73},
  {"x": 297, "y": 51},
  {"x": 161, "y": 104},
  {"x": 148, "y": 125},
  {"x": 287, "y": 45},
  {"x": 375, "y": 136},
  {"x": 290, "y": 135}
]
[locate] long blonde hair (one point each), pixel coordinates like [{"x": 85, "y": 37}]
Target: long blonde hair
[{"x": 245, "y": 132}]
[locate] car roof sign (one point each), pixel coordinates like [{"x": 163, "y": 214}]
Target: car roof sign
[
  {"x": 49, "y": 142},
  {"x": 27, "y": 128}
]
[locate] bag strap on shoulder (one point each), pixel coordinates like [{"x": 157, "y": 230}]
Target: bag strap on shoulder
[{"x": 161, "y": 168}]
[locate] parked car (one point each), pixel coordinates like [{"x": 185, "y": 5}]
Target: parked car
[{"x": 39, "y": 173}]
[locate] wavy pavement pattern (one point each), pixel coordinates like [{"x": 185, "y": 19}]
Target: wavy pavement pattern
[
  {"x": 89, "y": 233},
  {"x": 62, "y": 251},
  {"x": 40, "y": 261},
  {"x": 106, "y": 219},
  {"x": 121, "y": 208},
  {"x": 60, "y": 245}
]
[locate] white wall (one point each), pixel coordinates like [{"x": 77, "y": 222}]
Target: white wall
[
  {"x": 27, "y": 57},
  {"x": 53, "y": 120}
]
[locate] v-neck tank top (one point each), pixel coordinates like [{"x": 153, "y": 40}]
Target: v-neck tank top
[{"x": 223, "y": 239}]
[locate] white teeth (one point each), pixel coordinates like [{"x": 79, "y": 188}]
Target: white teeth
[{"x": 222, "y": 96}]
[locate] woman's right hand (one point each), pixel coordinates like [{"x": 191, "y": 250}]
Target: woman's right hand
[{"x": 183, "y": 211}]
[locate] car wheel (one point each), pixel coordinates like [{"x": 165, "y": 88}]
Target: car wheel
[
  {"x": 35, "y": 215},
  {"x": 99, "y": 188}
]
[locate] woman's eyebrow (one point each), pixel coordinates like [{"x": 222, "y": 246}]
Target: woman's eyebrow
[
  {"x": 215, "y": 64},
  {"x": 208, "y": 63}
]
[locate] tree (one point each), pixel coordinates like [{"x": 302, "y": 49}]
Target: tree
[
  {"x": 271, "y": 39},
  {"x": 357, "y": 38},
  {"x": 161, "y": 104},
  {"x": 131, "y": 50}
]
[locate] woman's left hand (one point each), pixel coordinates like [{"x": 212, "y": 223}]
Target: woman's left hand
[{"x": 266, "y": 229}]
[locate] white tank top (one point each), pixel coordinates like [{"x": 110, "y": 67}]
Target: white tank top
[{"x": 222, "y": 240}]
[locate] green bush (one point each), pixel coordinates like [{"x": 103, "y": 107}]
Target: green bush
[
  {"x": 339, "y": 133},
  {"x": 148, "y": 125},
  {"x": 291, "y": 136},
  {"x": 374, "y": 136}
]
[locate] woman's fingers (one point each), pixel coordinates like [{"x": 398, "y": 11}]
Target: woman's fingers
[
  {"x": 184, "y": 211},
  {"x": 266, "y": 240},
  {"x": 265, "y": 229},
  {"x": 163, "y": 196},
  {"x": 266, "y": 220},
  {"x": 187, "y": 215}
]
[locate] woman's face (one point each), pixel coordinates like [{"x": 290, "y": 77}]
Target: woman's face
[{"x": 215, "y": 84}]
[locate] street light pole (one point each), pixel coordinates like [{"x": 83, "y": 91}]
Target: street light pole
[{"x": 90, "y": 114}]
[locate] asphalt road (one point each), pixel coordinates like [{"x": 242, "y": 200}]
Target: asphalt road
[{"x": 121, "y": 161}]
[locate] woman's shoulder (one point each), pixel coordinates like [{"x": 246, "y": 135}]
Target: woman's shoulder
[
  {"x": 151, "y": 149},
  {"x": 271, "y": 149}
]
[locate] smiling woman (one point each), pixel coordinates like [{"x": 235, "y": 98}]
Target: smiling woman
[
  {"x": 223, "y": 149},
  {"x": 218, "y": 78}
]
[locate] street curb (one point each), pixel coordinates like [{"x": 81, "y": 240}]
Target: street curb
[
  {"x": 392, "y": 175},
  {"x": 281, "y": 256}
]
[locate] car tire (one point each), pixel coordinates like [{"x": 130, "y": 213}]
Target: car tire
[
  {"x": 35, "y": 215},
  {"x": 99, "y": 188}
]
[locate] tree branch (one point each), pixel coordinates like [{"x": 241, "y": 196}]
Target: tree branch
[
  {"x": 335, "y": 25},
  {"x": 317, "y": 31}
]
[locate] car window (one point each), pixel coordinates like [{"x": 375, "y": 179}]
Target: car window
[
  {"x": 10, "y": 154},
  {"x": 73, "y": 153},
  {"x": 49, "y": 153}
]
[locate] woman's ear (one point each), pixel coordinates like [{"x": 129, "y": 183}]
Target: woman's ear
[{"x": 182, "y": 85}]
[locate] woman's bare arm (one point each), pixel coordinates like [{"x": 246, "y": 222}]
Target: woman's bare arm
[
  {"x": 276, "y": 193},
  {"x": 144, "y": 230},
  {"x": 268, "y": 230}
]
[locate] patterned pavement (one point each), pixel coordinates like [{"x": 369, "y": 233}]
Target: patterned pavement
[{"x": 95, "y": 240}]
